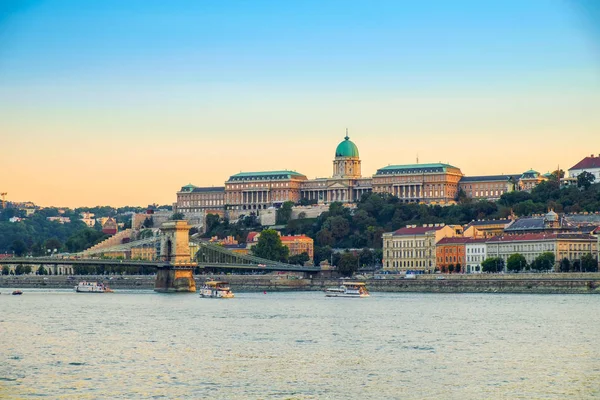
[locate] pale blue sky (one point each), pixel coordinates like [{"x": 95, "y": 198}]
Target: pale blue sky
[{"x": 215, "y": 87}]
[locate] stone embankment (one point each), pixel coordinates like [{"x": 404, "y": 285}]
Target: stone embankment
[
  {"x": 456, "y": 283},
  {"x": 572, "y": 283}
]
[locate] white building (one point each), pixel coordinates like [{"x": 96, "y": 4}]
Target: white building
[
  {"x": 475, "y": 254},
  {"x": 589, "y": 164}
]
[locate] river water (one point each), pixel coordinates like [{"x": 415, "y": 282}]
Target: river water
[{"x": 298, "y": 345}]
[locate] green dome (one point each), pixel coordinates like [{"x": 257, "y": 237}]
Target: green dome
[{"x": 346, "y": 149}]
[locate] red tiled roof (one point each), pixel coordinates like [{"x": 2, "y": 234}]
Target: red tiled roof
[
  {"x": 453, "y": 240},
  {"x": 251, "y": 236},
  {"x": 419, "y": 230},
  {"x": 587, "y": 163},
  {"x": 477, "y": 240}
]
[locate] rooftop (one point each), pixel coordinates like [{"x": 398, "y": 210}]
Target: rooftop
[
  {"x": 414, "y": 168},
  {"x": 266, "y": 175},
  {"x": 488, "y": 178},
  {"x": 195, "y": 189},
  {"x": 417, "y": 230},
  {"x": 587, "y": 163}
]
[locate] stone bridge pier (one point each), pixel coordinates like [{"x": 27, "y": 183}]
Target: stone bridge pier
[{"x": 176, "y": 274}]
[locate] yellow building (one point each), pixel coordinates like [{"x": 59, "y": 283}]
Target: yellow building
[
  {"x": 413, "y": 248},
  {"x": 299, "y": 244},
  {"x": 486, "y": 228}
]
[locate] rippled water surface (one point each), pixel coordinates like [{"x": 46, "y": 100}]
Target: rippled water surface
[{"x": 298, "y": 345}]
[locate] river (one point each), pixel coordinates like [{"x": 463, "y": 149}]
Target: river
[{"x": 298, "y": 345}]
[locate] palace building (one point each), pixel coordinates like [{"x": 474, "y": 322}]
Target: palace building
[{"x": 435, "y": 183}]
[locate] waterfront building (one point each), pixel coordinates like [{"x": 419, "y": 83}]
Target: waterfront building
[
  {"x": 589, "y": 164},
  {"x": 563, "y": 245},
  {"x": 476, "y": 253},
  {"x": 489, "y": 187},
  {"x": 194, "y": 200},
  {"x": 419, "y": 183},
  {"x": 298, "y": 244},
  {"x": 548, "y": 223},
  {"x": 530, "y": 179},
  {"x": 486, "y": 228},
  {"x": 413, "y": 248},
  {"x": 451, "y": 251}
]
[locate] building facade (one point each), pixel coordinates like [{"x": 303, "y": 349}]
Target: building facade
[
  {"x": 413, "y": 248},
  {"x": 475, "y": 253},
  {"x": 419, "y": 183},
  {"x": 262, "y": 190},
  {"x": 298, "y": 244},
  {"x": 450, "y": 251},
  {"x": 589, "y": 164},
  {"x": 193, "y": 199},
  {"x": 435, "y": 183},
  {"x": 531, "y": 245},
  {"x": 488, "y": 187}
]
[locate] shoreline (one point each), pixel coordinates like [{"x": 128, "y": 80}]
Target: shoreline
[{"x": 548, "y": 283}]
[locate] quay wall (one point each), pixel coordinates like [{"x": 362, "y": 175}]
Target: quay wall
[{"x": 571, "y": 283}]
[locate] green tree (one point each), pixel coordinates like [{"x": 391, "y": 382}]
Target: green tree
[
  {"x": 451, "y": 268},
  {"x": 585, "y": 180},
  {"x": 492, "y": 264},
  {"x": 576, "y": 266},
  {"x": 544, "y": 262},
  {"x": 565, "y": 265},
  {"x": 299, "y": 259},
  {"x": 148, "y": 222},
  {"x": 19, "y": 270},
  {"x": 589, "y": 263},
  {"x": 457, "y": 268},
  {"x": 284, "y": 213},
  {"x": 5, "y": 270},
  {"x": 211, "y": 222},
  {"x": 348, "y": 264},
  {"x": 53, "y": 243},
  {"x": 41, "y": 271},
  {"x": 177, "y": 216},
  {"x": 19, "y": 247},
  {"x": 516, "y": 262},
  {"x": 269, "y": 246}
]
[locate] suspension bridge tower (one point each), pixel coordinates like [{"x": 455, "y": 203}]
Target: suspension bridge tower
[{"x": 176, "y": 272}]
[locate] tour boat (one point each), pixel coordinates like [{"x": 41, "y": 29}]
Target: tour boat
[
  {"x": 17, "y": 292},
  {"x": 216, "y": 289},
  {"x": 92, "y": 287},
  {"x": 348, "y": 289}
]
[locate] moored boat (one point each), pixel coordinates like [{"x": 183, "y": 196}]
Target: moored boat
[
  {"x": 216, "y": 289},
  {"x": 17, "y": 292},
  {"x": 92, "y": 287},
  {"x": 348, "y": 289}
]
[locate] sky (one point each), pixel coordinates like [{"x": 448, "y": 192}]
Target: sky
[{"x": 122, "y": 103}]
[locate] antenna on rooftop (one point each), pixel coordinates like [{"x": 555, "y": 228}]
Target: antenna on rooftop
[{"x": 417, "y": 158}]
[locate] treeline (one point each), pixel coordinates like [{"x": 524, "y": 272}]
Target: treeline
[{"x": 37, "y": 236}]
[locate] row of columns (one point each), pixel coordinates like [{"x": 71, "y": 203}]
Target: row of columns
[{"x": 408, "y": 191}]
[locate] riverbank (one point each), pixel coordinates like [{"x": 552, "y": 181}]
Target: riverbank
[{"x": 570, "y": 283}]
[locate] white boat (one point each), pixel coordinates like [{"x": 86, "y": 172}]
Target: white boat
[
  {"x": 216, "y": 289},
  {"x": 92, "y": 287},
  {"x": 348, "y": 289}
]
